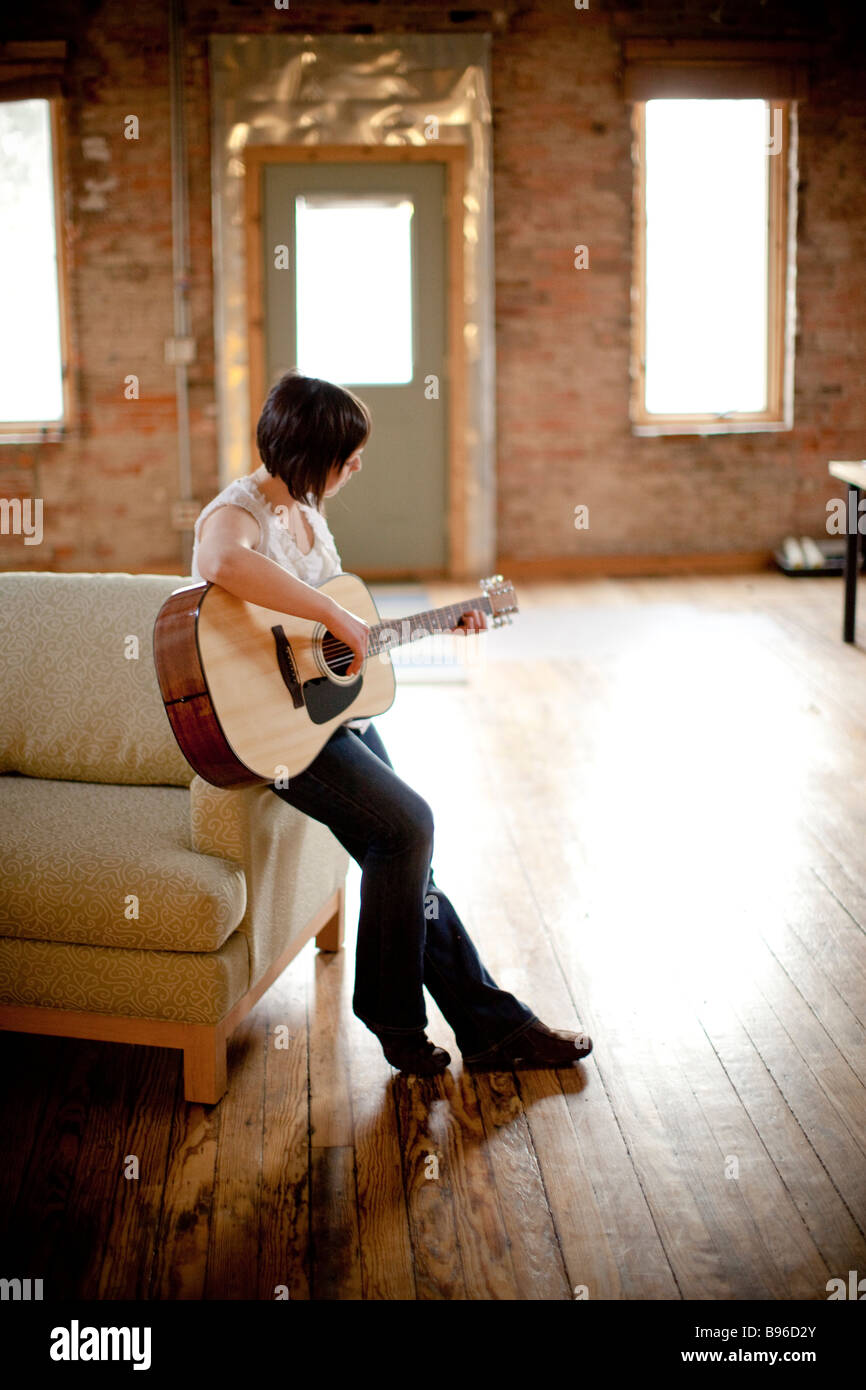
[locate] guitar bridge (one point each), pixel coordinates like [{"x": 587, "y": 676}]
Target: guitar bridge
[{"x": 286, "y": 663}]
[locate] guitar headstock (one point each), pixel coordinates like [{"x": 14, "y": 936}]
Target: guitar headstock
[{"x": 503, "y": 599}]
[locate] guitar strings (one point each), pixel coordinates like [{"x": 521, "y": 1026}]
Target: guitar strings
[{"x": 338, "y": 656}]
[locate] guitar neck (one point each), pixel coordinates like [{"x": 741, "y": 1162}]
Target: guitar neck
[{"x": 394, "y": 633}]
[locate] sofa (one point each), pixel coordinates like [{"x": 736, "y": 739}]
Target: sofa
[{"x": 138, "y": 903}]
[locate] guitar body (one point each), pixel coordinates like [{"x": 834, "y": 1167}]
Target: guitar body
[{"x": 249, "y": 691}]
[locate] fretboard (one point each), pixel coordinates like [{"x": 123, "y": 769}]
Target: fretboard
[{"x": 396, "y": 631}]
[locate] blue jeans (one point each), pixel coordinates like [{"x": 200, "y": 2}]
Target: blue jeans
[{"x": 409, "y": 935}]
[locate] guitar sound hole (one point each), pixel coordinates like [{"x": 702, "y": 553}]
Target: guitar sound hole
[{"x": 338, "y": 657}]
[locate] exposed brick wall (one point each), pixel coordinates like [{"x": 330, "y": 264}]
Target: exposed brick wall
[{"x": 562, "y": 175}]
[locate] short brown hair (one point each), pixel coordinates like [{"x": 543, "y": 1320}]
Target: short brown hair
[{"x": 306, "y": 428}]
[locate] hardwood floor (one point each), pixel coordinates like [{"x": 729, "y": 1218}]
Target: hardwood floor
[{"x": 649, "y": 807}]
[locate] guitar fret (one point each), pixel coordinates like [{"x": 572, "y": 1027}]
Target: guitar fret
[{"x": 387, "y": 634}]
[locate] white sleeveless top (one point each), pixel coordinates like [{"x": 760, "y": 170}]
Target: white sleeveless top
[{"x": 277, "y": 542}]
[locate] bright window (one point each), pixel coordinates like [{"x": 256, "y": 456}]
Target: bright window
[
  {"x": 31, "y": 356},
  {"x": 709, "y": 293},
  {"x": 706, "y": 256},
  {"x": 354, "y": 288}
]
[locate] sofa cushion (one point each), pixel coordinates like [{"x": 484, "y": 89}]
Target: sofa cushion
[
  {"x": 75, "y": 702},
  {"x": 186, "y": 986},
  {"x": 111, "y": 866}
]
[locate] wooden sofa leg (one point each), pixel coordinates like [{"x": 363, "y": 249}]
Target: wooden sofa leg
[
  {"x": 204, "y": 1065},
  {"x": 333, "y": 933}
]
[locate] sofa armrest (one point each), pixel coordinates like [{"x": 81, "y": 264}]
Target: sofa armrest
[
  {"x": 217, "y": 819},
  {"x": 292, "y": 864}
]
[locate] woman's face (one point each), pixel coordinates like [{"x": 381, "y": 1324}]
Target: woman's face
[{"x": 340, "y": 476}]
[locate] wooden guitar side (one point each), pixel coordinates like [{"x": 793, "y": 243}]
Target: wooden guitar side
[
  {"x": 225, "y": 697},
  {"x": 185, "y": 694}
]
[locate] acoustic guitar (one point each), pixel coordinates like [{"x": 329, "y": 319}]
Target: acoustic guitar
[{"x": 253, "y": 695}]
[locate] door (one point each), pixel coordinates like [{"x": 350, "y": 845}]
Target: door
[{"x": 360, "y": 299}]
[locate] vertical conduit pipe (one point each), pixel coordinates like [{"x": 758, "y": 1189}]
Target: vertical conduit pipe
[{"x": 180, "y": 262}]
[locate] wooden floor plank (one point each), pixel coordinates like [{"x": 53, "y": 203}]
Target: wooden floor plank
[
  {"x": 742, "y": 1199},
  {"x": 180, "y": 1262},
  {"x": 329, "y": 1001},
  {"x": 232, "y": 1267},
  {"x": 439, "y": 1274},
  {"x": 643, "y": 1268},
  {"x": 591, "y": 1262},
  {"x": 334, "y": 1202},
  {"x": 285, "y": 1252},
  {"x": 834, "y": 1028},
  {"x": 536, "y": 1254},
  {"x": 387, "y": 1263},
  {"x": 28, "y": 1060},
  {"x": 842, "y": 885},
  {"x": 822, "y": 925},
  {"x": 334, "y": 1198},
  {"x": 806, "y": 1092},
  {"x": 570, "y": 1182},
  {"x": 700, "y": 1266},
  {"x": 830, "y": 1223},
  {"x": 463, "y": 1163},
  {"x": 85, "y": 1233},
  {"x": 46, "y": 1197},
  {"x": 151, "y": 1097}
]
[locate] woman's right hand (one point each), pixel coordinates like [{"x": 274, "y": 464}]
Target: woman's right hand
[{"x": 354, "y": 632}]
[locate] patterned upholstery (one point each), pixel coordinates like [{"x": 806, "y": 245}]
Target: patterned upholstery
[
  {"x": 186, "y": 987},
  {"x": 292, "y": 863},
  {"x": 101, "y": 818},
  {"x": 111, "y": 866},
  {"x": 74, "y": 704}
]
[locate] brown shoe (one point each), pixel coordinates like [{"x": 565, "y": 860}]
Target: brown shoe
[
  {"x": 537, "y": 1046},
  {"x": 416, "y": 1056}
]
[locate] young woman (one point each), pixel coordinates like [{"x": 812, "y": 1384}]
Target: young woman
[{"x": 265, "y": 539}]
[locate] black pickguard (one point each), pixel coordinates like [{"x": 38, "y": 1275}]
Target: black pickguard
[{"x": 325, "y": 700}]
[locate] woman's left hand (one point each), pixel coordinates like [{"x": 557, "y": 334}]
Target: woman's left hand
[{"x": 473, "y": 620}]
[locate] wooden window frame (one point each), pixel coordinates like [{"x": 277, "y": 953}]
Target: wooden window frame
[
  {"x": 778, "y": 414},
  {"x": 29, "y": 431}
]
